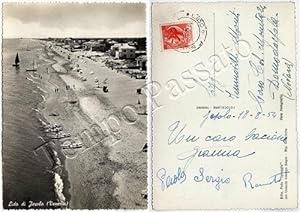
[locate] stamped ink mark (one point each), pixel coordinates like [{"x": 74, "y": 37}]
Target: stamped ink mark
[{"x": 176, "y": 35}]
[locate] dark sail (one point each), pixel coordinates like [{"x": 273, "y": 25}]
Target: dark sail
[{"x": 17, "y": 60}]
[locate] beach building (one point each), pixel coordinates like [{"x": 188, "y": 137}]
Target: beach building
[
  {"x": 141, "y": 62},
  {"x": 95, "y": 46},
  {"x": 58, "y": 40},
  {"x": 75, "y": 47},
  {"x": 67, "y": 47},
  {"x": 59, "y": 44},
  {"x": 98, "y": 47},
  {"x": 68, "y": 41},
  {"x": 114, "y": 48},
  {"x": 125, "y": 52},
  {"x": 140, "y": 52},
  {"x": 86, "y": 45},
  {"x": 110, "y": 43}
]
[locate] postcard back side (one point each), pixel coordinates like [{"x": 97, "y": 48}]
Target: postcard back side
[{"x": 224, "y": 105}]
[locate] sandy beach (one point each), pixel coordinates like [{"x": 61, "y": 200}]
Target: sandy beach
[{"x": 110, "y": 171}]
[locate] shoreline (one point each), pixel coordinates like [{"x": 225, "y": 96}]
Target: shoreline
[
  {"x": 103, "y": 171},
  {"x": 59, "y": 174}
]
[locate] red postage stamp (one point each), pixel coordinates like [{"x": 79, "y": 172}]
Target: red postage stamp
[{"x": 176, "y": 35}]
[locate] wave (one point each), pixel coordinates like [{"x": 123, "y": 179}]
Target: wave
[
  {"x": 37, "y": 110},
  {"x": 43, "y": 57},
  {"x": 58, "y": 181},
  {"x": 57, "y": 160},
  {"x": 52, "y": 83},
  {"x": 43, "y": 122},
  {"x": 40, "y": 137},
  {"x": 59, "y": 187},
  {"x": 33, "y": 76},
  {"x": 32, "y": 80},
  {"x": 41, "y": 89},
  {"x": 44, "y": 98}
]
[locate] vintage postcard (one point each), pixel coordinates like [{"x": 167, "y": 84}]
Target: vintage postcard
[
  {"x": 74, "y": 106},
  {"x": 224, "y": 105}
]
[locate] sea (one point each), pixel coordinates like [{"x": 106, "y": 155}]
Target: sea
[{"x": 28, "y": 176}]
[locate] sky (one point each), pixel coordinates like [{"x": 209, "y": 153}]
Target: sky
[{"x": 73, "y": 20}]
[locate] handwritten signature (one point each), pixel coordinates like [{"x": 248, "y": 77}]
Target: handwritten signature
[
  {"x": 276, "y": 178},
  {"x": 168, "y": 180},
  {"x": 197, "y": 152},
  {"x": 217, "y": 181}
]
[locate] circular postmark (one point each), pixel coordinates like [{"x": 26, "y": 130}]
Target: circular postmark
[{"x": 198, "y": 30}]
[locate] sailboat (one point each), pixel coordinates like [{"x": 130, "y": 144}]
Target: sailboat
[
  {"x": 17, "y": 61},
  {"x": 33, "y": 67}
]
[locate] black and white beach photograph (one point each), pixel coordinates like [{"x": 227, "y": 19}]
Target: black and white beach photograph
[{"x": 74, "y": 106}]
